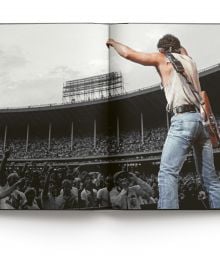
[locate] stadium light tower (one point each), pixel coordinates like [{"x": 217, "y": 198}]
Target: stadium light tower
[{"x": 93, "y": 88}]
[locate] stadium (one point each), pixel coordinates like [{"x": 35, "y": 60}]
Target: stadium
[{"x": 99, "y": 126}]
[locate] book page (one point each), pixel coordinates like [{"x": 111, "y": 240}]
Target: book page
[
  {"x": 53, "y": 77},
  {"x": 140, "y": 111}
]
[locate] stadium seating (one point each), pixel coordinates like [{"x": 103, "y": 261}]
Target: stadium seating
[{"x": 129, "y": 142}]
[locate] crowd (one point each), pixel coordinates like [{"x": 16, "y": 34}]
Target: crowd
[
  {"x": 129, "y": 142},
  {"x": 32, "y": 187}
]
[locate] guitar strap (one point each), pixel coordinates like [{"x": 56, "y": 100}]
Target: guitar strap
[{"x": 177, "y": 65}]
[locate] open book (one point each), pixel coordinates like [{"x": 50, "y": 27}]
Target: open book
[{"x": 83, "y": 127}]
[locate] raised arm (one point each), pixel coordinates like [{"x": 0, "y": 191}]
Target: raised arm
[
  {"x": 8, "y": 191},
  {"x": 147, "y": 59},
  {"x": 144, "y": 185}
]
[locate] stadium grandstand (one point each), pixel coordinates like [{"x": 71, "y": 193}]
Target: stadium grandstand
[
  {"x": 119, "y": 127},
  {"x": 99, "y": 127}
]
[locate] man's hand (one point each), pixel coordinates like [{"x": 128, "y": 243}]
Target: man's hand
[{"x": 110, "y": 43}]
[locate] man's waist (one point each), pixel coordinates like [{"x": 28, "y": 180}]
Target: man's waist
[{"x": 185, "y": 108}]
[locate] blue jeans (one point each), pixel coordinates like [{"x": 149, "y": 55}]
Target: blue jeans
[{"x": 186, "y": 131}]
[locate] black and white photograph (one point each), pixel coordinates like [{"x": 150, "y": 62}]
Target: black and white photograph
[{"x": 109, "y": 116}]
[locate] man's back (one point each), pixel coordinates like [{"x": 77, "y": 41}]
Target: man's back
[{"x": 177, "y": 89}]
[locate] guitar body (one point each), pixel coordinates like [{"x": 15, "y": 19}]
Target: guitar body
[{"x": 210, "y": 119}]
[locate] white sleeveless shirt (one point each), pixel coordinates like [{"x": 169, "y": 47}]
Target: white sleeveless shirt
[{"x": 178, "y": 91}]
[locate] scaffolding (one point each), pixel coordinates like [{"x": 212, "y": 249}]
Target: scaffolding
[{"x": 93, "y": 88}]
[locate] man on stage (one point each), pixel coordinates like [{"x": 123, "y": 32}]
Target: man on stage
[{"x": 187, "y": 129}]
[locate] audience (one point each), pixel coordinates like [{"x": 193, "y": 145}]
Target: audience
[
  {"x": 48, "y": 187},
  {"x": 129, "y": 142}
]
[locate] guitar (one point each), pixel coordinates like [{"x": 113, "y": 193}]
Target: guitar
[{"x": 206, "y": 111}]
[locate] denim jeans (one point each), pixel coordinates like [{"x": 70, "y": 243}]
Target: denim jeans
[{"x": 186, "y": 131}]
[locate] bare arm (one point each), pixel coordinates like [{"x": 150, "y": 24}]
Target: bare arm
[
  {"x": 147, "y": 59},
  {"x": 144, "y": 185},
  {"x": 117, "y": 198},
  {"x": 7, "y": 192}
]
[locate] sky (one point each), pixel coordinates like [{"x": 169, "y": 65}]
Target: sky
[
  {"x": 36, "y": 59},
  {"x": 201, "y": 41}
]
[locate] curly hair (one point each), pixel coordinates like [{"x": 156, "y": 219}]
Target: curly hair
[{"x": 169, "y": 43}]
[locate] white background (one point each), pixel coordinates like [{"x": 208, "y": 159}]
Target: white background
[{"x": 109, "y": 245}]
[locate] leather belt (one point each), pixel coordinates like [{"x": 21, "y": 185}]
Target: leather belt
[{"x": 184, "y": 108}]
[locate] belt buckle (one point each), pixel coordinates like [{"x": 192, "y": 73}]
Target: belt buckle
[{"x": 183, "y": 109}]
